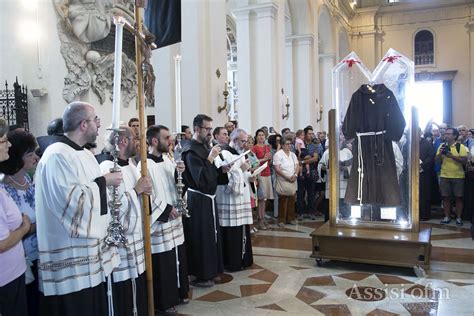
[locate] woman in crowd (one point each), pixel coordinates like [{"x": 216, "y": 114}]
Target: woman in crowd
[
  {"x": 13, "y": 227},
  {"x": 265, "y": 188},
  {"x": 274, "y": 142},
  {"x": 254, "y": 163},
  {"x": 19, "y": 186},
  {"x": 286, "y": 167}
]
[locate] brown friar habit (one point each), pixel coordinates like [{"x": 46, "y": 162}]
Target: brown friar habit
[
  {"x": 201, "y": 230},
  {"x": 374, "y": 119}
]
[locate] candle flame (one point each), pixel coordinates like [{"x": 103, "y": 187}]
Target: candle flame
[{"x": 177, "y": 57}]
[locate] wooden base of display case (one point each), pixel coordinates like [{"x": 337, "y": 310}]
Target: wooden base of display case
[{"x": 375, "y": 246}]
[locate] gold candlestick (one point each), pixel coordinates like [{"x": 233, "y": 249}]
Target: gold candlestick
[
  {"x": 287, "y": 114},
  {"x": 226, "y": 95},
  {"x": 321, "y": 108}
]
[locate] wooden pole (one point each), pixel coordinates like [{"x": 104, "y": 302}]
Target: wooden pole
[{"x": 143, "y": 155}]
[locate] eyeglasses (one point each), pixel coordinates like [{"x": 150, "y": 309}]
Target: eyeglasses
[{"x": 95, "y": 119}]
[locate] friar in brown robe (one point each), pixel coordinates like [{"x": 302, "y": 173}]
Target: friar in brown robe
[{"x": 374, "y": 120}]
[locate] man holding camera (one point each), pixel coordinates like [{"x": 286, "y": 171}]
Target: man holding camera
[{"x": 453, "y": 157}]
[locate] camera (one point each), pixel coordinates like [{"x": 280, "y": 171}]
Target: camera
[{"x": 445, "y": 149}]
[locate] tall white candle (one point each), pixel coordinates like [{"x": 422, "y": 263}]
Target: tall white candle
[
  {"x": 177, "y": 71},
  {"x": 119, "y": 23}
]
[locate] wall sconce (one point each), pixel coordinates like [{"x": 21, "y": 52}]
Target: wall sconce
[
  {"x": 226, "y": 95},
  {"x": 287, "y": 114},
  {"x": 321, "y": 109}
]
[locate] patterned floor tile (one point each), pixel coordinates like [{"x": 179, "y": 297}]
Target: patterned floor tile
[
  {"x": 273, "y": 307},
  {"x": 254, "y": 289},
  {"x": 391, "y": 279},
  {"x": 265, "y": 275},
  {"x": 333, "y": 310},
  {"x": 224, "y": 278},
  {"x": 309, "y": 296},
  {"x": 216, "y": 296},
  {"x": 320, "y": 281},
  {"x": 354, "y": 276},
  {"x": 421, "y": 291},
  {"x": 299, "y": 268},
  {"x": 419, "y": 309},
  {"x": 381, "y": 312}
]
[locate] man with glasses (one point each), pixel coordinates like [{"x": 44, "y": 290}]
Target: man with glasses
[
  {"x": 72, "y": 220},
  {"x": 453, "y": 157},
  {"x": 233, "y": 204},
  {"x": 130, "y": 274},
  {"x": 201, "y": 230}
]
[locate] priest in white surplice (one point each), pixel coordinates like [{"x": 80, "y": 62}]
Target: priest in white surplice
[
  {"x": 72, "y": 220},
  {"x": 170, "y": 271},
  {"x": 129, "y": 287},
  {"x": 233, "y": 205}
]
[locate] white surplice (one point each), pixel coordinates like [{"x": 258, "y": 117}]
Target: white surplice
[
  {"x": 132, "y": 257},
  {"x": 168, "y": 235},
  {"x": 70, "y": 226}
]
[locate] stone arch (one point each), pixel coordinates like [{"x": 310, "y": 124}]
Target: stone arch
[
  {"x": 327, "y": 59},
  {"x": 343, "y": 44},
  {"x": 325, "y": 31},
  {"x": 301, "y": 9},
  {"x": 231, "y": 43}
]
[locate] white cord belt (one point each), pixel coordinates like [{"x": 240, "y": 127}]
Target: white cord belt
[
  {"x": 244, "y": 241},
  {"x": 213, "y": 199},
  {"x": 110, "y": 298},
  {"x": 360, "y": 161}
]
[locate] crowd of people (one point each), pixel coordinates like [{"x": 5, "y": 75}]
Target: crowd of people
[
  {"x": 56, "y": 254},
  {"x": 447, "y": 172}
]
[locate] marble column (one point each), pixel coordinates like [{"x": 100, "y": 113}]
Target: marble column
[
  {"x": 203, "y": 51},
  {"x": 470, "y": 29},
  {"x": 265, "y": 66},
  {"x": 303, "y": 80},
  {"x": 244, "y": 78},
  {"x": 289, "y": 89},
  {"x": 326, "y": 63}
]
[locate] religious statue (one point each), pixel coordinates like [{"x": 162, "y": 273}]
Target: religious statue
[{"x": 85, "y": 28}]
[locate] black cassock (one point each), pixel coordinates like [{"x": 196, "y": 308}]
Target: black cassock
[
  {"x": 375, "y": 119},
  {"x": 202, "y": 230}
]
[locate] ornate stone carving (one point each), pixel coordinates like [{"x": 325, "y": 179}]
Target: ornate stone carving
[
  {"x": 78, "y": 79},
  {"x": 82, "y": 22},
  {"x": 102, "y": 80}
]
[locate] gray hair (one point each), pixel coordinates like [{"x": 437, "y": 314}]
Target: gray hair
[
  {"x": 286, "y": 138},
  {"x": 74, "y": 114},
  {"x": 235, "y": 134},
  {"x": 109, "y": 143},
  {"x": 3, "y": 127}
]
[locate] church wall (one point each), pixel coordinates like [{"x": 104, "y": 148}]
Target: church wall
[
  {"x": 20, "y": 58},
  {"x": 203, "y": 51},
  {"x": 396, "y": 29}
]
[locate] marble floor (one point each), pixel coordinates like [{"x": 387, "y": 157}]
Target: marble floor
[{"x": 284, "y": 280}]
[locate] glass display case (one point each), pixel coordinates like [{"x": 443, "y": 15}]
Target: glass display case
[
  {"x": 373, "y": 144},
  {"x": 373, "y": 167}
]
